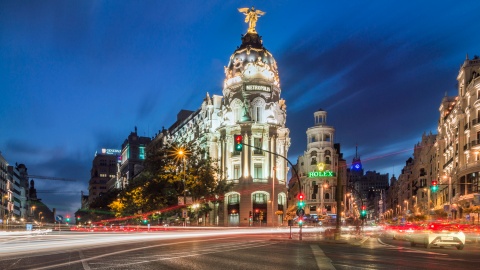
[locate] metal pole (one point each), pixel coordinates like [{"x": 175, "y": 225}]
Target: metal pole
[
  {"x": 184, "y": 190},
  {"x": 450, "y": 195}
]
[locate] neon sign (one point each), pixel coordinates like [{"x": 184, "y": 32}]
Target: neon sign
[{"x": 321, "y": 174}]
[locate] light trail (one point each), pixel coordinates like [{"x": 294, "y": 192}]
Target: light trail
[{"x": 53, "y": 244}]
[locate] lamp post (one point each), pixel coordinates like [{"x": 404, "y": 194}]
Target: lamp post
[
  {"x": 449, "y": 193},
  {"x": 3, "y": 208},
  {"x": 33, "y": 211},
  {"x": 406, "y": 209},
  {"x": 181, "y": 153}
]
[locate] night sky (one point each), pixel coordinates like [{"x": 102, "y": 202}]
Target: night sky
[{"x": 78, "y": 76}]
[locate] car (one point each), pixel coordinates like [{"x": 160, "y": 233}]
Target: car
[{"x": 438, "y": 235}]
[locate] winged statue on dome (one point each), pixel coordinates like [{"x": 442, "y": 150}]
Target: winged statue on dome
[{"x": 251, "y": 17}]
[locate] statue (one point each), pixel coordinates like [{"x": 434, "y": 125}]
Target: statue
[{"x": 251, "y": 17}]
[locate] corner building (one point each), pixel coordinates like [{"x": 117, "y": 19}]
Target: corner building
[
  {"x": 250, "y": 106},
  {"x": 253, "y": 108}
]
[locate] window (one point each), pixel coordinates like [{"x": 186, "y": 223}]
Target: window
[
  {"x": 233, "y": 199},
  {"x": 258, "y": 114},
  {"x": 327, "y": 196},
  {"x": 259, "y": 198},
  {"x": 141, "y": 155},
  {"x": 257, "y": 170},
  {"x": 236, "y": 171},
  {"x": 257, "y": 142}
]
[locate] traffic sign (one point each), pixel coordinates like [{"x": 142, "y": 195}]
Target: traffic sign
[{"x": 300, "y": 212}]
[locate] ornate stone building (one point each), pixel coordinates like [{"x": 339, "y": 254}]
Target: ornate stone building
[
  {"x": 450, "y": 158},
  {"x": 318, "y": 168},
  {"x": 458, "y": 143},
  {"x": 250, "y": 106}
]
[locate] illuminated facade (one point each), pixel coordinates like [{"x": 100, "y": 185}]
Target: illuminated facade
[
  {"x": 318, "y": 168},
  {"x": 450, "y": 158},
  {"x": 458, "y": 144},
  {"x": 250, "y": 106}
]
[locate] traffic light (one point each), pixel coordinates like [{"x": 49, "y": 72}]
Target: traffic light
[
  {"x": 434, "y": 186},
  {"x": 250, "y": 215},
  {"x": 67, "y": 219},
  {"x": 363, "y": 212},
  {"x": 300, "y": 221},
  {"x": 145, "y": 220},
  {"x": 238, "y": 142},
  {"x": 301, "y": 202}
]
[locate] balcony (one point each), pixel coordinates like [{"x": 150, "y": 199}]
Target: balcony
[
  {"x": 448, "y": 163},
  {"x": 475, "y": 122},
  {"x": 475, "y": 144}
]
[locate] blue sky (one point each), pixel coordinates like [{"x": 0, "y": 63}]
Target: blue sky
[{"x": 78, "y": 76}]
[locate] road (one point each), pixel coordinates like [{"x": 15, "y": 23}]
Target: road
[{"x": 222, "y": 249}]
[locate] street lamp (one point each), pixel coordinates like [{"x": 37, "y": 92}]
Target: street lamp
[
  {"x": 406, "y": 209},
  {"x": 449, "y": 193},
  {"x": 181, "y": 153},
  {"x": 3, "y": 207}
]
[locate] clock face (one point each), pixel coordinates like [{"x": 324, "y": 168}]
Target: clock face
[{"x": 357, "y": 166}]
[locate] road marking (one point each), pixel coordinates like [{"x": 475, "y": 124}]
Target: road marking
[
  {"x": 323, "y": 262},
  {"x": 84, "y": 262},
  {"x": 259, "y": 244}
]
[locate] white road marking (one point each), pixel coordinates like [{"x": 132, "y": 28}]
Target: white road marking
[
  {"x": 84, "y": 262},
  {"x": 323, "y": 262}
]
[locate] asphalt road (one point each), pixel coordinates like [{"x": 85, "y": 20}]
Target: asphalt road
[{"x": 224, "y": 249}]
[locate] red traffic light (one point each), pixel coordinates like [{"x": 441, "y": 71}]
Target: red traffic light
[
  {"x": 238, "y": 138},
  {"x": 434, "y": 182},
  {"x": 301, "y": 196},
  {"x": 364, "y": 207}
]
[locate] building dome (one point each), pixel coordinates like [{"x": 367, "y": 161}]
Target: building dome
[{"x": 251, "y": 62}]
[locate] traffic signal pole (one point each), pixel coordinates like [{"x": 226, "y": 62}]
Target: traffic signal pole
[{"x": 239, "y": 145}]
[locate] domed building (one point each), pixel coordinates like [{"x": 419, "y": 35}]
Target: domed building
[{"x": 251, "y": 107}]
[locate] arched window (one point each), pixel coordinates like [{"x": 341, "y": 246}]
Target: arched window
[
  {"x": 258, "y": 107},
  {"x": 327, "y": 196},
  {"x": 236, "y": 106}
]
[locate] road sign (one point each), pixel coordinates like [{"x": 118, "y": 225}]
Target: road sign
[
  {"x": 300, "y": 212},
  {"x": 59, "y": 218}
]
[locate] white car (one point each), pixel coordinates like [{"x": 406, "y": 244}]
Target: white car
[{"x": 438, "y": 238}]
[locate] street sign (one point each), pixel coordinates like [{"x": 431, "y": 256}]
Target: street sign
[{"x": 59, "y": 218}]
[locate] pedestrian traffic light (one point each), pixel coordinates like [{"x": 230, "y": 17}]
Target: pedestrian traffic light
[
  {"x": 301, "y": 202},
  {"x": 238, "y": 142},
  {"x": 434, "y": 186},
  {"x": 363, "y": 212}
]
